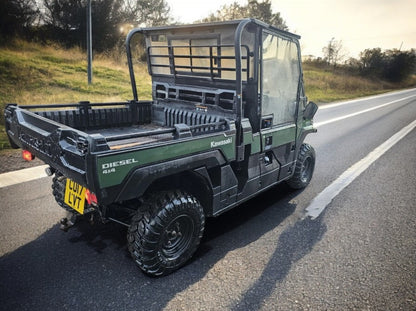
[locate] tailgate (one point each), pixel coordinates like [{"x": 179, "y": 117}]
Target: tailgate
[{"x": 63, "y": 148}]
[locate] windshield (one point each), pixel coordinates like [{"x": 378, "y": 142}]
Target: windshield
[{"x": 281, "y": 74}]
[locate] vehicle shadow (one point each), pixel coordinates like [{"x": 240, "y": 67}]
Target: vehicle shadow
[
  {"x": 294, "y": 243},
  {"x": 57, "y": 272}
]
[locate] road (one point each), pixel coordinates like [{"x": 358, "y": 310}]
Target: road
[{"x": 359, "y": 253}]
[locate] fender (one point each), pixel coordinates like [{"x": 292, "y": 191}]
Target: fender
[
  {"x": 140, "y": 179},
  {"x": 303, "y": 132}
]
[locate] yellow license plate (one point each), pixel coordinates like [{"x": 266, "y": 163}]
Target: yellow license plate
[{"x": 75, "y": 196}]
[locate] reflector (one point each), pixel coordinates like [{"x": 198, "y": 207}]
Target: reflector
[{"x": 90, "y": 197}]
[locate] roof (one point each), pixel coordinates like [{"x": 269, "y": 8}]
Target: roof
[{"x": 207, "y": 25}]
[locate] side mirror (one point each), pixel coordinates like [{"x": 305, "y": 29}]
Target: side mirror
[{"x": 310, "y": 110}]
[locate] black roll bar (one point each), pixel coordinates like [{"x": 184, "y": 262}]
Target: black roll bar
[
  {"x": 238, "y": 72},
  {"x": 130, "y": 62},
  {"x": 237, "y": 44},
  {"x": 239, "y": 83}
]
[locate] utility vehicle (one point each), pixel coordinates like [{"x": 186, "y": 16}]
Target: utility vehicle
[{"x": 227, "y": 120}]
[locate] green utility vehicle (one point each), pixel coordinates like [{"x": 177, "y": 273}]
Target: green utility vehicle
[{"x": 227, "y": 121}]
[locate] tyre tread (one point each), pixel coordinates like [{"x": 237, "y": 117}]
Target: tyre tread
[
  {"x": 148, "y": 224},
  {"x": 295, "y": 182}
]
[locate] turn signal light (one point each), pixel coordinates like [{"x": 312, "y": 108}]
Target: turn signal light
[
  {"x": 91, "y": 197},
  {"x": 27, "y": 155}
]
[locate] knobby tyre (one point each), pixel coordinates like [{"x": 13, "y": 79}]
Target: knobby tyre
[
  {"x": 305, "y": 165},
  {"x": 166, "y": 231},
  {"x": 58, "y": 190}
]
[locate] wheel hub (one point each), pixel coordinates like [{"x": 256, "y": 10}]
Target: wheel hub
[
  {"x": 174, "y": 233},
  {"x": 177, "y": 237}
]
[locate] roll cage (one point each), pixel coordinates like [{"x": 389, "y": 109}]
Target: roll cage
[{"x": 180, "y": 55}]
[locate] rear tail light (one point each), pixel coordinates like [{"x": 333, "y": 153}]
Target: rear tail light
[
  {"x": 27, "y": 155},
  {"x": 91, "y": 198}
]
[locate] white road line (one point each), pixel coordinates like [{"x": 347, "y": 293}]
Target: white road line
[
  {"x": 328, "y": 106},
  {"x": 322, "y": 200},
  {"x": 318, "y": 124},
  {"x": 27, "y": 174}
]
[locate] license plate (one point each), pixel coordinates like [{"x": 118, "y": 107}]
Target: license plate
[{"x": 75, "y": 196}]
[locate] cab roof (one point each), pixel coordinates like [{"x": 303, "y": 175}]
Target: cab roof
[{"x": 231, "y": 23}]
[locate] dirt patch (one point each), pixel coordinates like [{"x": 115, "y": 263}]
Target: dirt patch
[{"x": 11, "y": 160}]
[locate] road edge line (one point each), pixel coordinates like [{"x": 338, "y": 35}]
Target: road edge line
[
  {"x": 324, "y": 198},
  {"x": 24, "y": 175},
  {"x": 359, "y": 99},
  {"x": 319, "y": 124}
]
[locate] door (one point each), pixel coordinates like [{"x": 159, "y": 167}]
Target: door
[{"x": 280, "y": 79}]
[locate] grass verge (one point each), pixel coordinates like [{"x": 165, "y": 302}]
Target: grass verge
[
  {"x": 325, "y": 85},
  {"x": 34, "y": 74},
  {"x": 31, "y": 74}
]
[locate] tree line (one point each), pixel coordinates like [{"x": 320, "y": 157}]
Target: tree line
[
  {"x": 65, "y": 21},
  {"x": 392, "y": 65},
  {"x": 254, "y": 9}
]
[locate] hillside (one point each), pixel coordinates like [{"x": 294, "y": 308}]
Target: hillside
[
  {"x": 323, "y": 84},
  {"x": 36, "y": 74},
  {"x": 32, "y": 73}
]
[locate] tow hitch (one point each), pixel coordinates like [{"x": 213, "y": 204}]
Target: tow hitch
[
  {"x": 71, "y": 219},
  {"x": 68, "y": 222}
]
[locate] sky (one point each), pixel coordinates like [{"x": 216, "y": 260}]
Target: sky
[{"x": 358, "y": 24}]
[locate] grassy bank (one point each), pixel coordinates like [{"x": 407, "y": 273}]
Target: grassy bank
[
  {"x": 327, "y": 84},
  {"x": 35, "y": 74}
]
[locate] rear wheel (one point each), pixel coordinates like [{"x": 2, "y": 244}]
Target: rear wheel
[
  {"x": 305, "y": 165},
  {"x": 165, "y": 232}
]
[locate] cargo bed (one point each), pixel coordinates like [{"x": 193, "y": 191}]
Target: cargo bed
[
  {"x": 131, "y": 136},
  {"x": 121, "y": 125}
]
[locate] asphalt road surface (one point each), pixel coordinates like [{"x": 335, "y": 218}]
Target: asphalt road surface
[{"x": 358, "y": 254}]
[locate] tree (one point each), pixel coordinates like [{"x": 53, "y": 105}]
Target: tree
[
  {"x": 149, "y": 13},
  {"x": 253, "y": 9},
  {"x": 263, "y": 12},
  {"x": 66, "y": 19},
  {"x": 399, "y": 64},
  {"x": 372, "y": 62},
  {"x": 334, "y": 52},
  {"x": 393, "y": 65},
  {"x": 16, "y": 17}
]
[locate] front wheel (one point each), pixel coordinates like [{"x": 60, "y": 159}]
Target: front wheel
[
  {"x": 165, "y": 232},
  {"x": 305, "y": 165}
]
